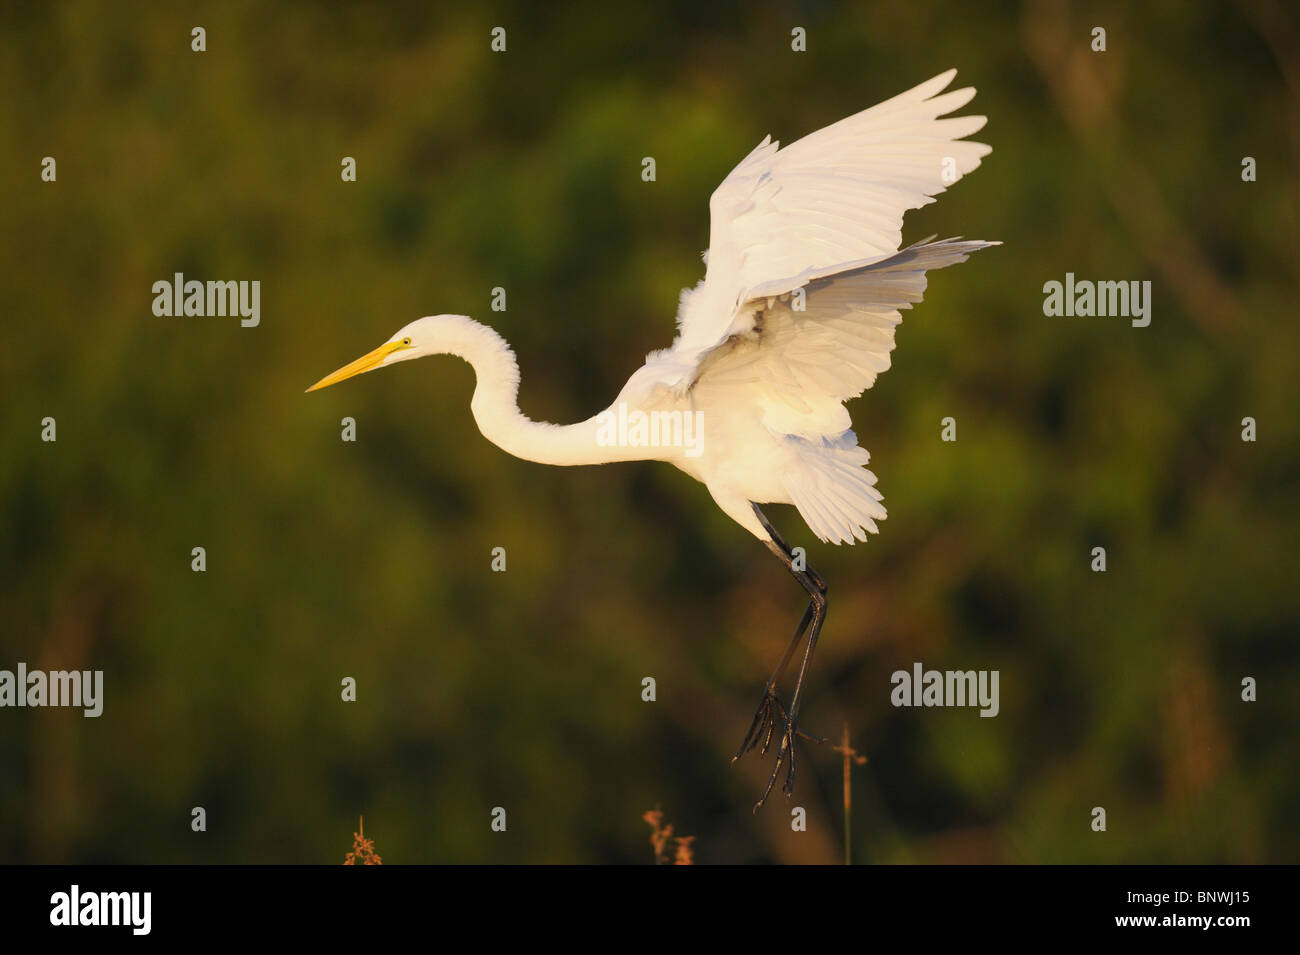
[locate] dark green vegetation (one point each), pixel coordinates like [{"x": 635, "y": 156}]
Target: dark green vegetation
[{"x": 522, "y": 689}]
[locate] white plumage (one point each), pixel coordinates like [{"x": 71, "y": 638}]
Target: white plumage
[
  {"x": 804, "y": 286},
  {"x": 823, "y": 215},
  {"x": 796, "y": 314}
]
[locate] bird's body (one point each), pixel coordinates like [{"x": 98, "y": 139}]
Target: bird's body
[{"x": 804, "y": 286}]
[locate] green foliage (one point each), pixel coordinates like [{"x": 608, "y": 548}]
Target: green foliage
[{"x": 522, "y": 689}]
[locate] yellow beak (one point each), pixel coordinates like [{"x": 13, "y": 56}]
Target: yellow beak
[{"x": 364, "y": 363}]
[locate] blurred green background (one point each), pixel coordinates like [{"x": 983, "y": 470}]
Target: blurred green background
[{"x": 522, "y": 690}]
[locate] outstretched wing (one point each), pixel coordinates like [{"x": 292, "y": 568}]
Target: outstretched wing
[
  {"x": 802, "y": 355},
  {"x": 807, "y": 351},
  {"x": 803, "y": 289},
  {"x": 835, "y": 198}
]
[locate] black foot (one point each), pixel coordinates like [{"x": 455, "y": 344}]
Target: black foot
[{"x": 771, "y": 718}]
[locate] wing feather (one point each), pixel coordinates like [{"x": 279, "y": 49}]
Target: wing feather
[
  {"x": 803, "y": 288},
  {"x": 798, "y": 366},
  {"x": 783, "y": 217}
]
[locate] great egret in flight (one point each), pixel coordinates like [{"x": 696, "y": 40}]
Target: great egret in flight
[{"x": 796, "y": 314}]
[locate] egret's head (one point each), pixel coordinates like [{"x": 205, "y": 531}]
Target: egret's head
[{"x": 424, "y": 336}]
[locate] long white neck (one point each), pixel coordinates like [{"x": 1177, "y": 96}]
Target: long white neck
[{"x": 496, "y": 409}]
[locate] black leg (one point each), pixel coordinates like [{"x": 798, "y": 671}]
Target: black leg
[
  {"x": 771, "y": 714},
  {"x": 768, "y": 708}
]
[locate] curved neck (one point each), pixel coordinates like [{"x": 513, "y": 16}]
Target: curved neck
[{"x": 496, "y": 409}]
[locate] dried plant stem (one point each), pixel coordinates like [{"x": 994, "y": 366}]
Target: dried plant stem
[{"x": 850, "y": 757}]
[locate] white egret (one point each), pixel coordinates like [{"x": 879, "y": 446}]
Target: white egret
[{"x": 796, "y": 314}]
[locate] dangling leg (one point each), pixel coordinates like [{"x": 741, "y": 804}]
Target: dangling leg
[
  {"x": 771, "y": 713},
  {"x": 765, "y": 717}
]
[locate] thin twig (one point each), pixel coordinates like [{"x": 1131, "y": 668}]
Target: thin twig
[{"x": 850, "y": 757}]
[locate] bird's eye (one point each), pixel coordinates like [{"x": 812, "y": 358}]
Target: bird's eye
[{"x": 406, "y": 341}]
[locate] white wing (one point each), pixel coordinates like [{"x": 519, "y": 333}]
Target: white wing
[
  {"x": 810, "y": 350},
  {"x": 804, "y": 354},
  {"x": 831, "y": 200},
  {"x": 802, "y": 292}
]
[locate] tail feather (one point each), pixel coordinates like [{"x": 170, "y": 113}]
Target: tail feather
[{"x": 833, "y": 491}]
